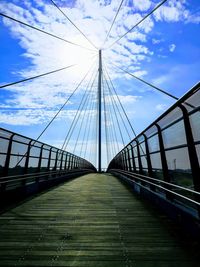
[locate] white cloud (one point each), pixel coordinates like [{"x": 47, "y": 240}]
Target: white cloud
[
  {"x": 140, "y": 73},
  {"x": 124, "y": 99},
  {"x": 142, "y": 5},
  {"x": 173, "y": 11},
  {"x": 23, "y": 117},
  {"x": 156, "y": 41},
  {"x": 31, "y": 102},
  {"x": 160, "y": 80},
  {"x": 172, "y": 47},
  {"x": 193, "y": 18},
  {"x": 161, "y": 107},
  {"x": 136, "y": 36},
  {"x": 46, "y": 53},
  {"x": 129, "y": 99}
]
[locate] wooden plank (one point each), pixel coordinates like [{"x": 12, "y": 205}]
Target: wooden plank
[{"x": 92, "y": 221}]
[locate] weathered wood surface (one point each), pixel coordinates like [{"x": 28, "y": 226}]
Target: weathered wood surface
[{"x": 91, "y": 221}]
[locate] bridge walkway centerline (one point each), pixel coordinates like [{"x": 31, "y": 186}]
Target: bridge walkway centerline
[{"x": 93, "y": 221}]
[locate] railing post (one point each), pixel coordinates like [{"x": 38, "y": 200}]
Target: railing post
[
  {"x": 39, "y": 162},
  {"x": 72, "y": 162},
  {"x": 126, "y": 159},
  {"x": 49, "y": 164},
  {"x": 69, "y": 162},
  {"x": 194, "y": 163},
  {"x": 49, "y": 160},
  {"x": 133, "y": 159},
  {"x": 164, "y": 161},
  {"x": 27, "y": 157},
  {"x": 139, "y": 158},
  {"x": 66, "y": 159},
  {"x": 120, "y": 161},
  {"x": 75, "y": 161},
  {"x": 123, "y": 160},
  {"x": 61, "y": 161},
  {"x": 7, "y": 162},
  {"x": 79, "y": 163},
  {"x": 55, "y": 166},
  {"x": 149, "y": 166},
  {"x": 40, "y": 158},
  {"x": 27, "y": 162},
  {"x": 129, "y": 160},
  {"x": 163, "y": 156}
]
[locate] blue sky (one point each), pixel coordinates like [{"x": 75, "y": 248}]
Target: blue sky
[{"x": 164, "y": 50}]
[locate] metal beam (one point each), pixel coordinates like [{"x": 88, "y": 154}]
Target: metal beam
[{"x": 99, "y": 111}]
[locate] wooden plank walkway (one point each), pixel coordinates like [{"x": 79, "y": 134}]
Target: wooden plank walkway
[{"x": 91, "y": 221}]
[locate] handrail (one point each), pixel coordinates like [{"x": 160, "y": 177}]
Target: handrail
[
  {"x": 174, "y": 151},
  {"x": 159, "y": 186},
  {"x": 35, "y": 175},
  {"x": 181, "y": 100},
  {"x": 163, "y": 182},
  {"x": 35, "y": 162}
]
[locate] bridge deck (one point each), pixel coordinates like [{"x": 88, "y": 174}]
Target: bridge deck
[{"x": 90, "y": 221}]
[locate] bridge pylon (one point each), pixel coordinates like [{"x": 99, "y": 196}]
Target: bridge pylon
[{"x": 99, "y": 110}]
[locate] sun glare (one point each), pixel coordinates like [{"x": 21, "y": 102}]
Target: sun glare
[{"x": 84, "y": 58}]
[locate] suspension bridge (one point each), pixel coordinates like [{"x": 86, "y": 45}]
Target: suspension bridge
[{"x": 63, "y": 209}]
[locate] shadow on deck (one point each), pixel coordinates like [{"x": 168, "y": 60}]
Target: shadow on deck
[{"x": 93, "y": 221}]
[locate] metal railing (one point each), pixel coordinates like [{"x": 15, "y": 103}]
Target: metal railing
[
  {"x": 168, "y": 151},
  {"x": 24, "y": 161},
  {"x": 187, "y": 199}
]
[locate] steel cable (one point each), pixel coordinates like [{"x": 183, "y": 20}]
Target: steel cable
[
  {"x": 42, "y": 31},
  {"x": 138, "y": 23},
  {"x": 72, "y": 22}
]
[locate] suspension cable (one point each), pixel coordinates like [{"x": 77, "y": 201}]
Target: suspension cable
[
  {"x": 119, "y": 112},
  {"x": 120, "y": 103},
  {"x": 147, "y": 83},
  {"x": 124, "y": 111},
  {"x": 113, "y": 136},
  {"x": 89, "y": 128},
  {"x": 37, "y": 76},
  {"x": 75, "y": 117},
  {"x": 74, "y": 122},
  {"x": 55, "y": 116},
  {"x": 88, "y": 118},
  {"x": 78, "y": 114},
  {"x": 65, "y": 103},
  {"x": 93, "y": 134},
  {"x": 115, "y": 112},
  {"x": 42, "y": 31},
  {"x": 105, "y": 121},
  {"x": 93, "y": 146},
  {"x": 108, "y": 34},
  {"x": 138, "y": 23},
  {"x": 72, "y": 23},
  {"x": 81, "y": 123}
]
